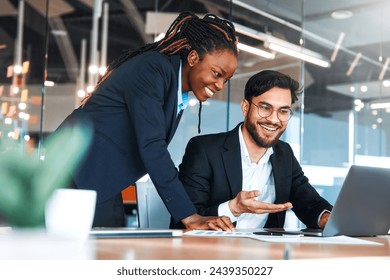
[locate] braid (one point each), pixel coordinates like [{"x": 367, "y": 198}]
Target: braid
[
  {"x": 172, "y": 30},
  {"x": 209, "y": 34},
  {"x": 187, "y": 32},
  {"x": 175, "y": 47}
]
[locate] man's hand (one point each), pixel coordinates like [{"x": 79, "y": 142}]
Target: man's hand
[
  {"x": 197, "y": 221},
  {"x": 324, "y": 219},
  {"x": 245, "y": 202}
]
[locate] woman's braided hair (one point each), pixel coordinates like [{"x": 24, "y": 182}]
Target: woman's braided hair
[{"x": 188, "y": 32}]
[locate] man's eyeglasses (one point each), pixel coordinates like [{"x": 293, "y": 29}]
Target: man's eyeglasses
[{"x": 265, "y": 110}]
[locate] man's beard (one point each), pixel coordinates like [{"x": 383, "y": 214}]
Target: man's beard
[{"x": 261, "y": 141}]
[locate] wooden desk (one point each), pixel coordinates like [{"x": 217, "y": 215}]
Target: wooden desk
[
  {"x": 225, "y": 248},
  {"x": 36, "y": 245},
  {"x": 207, "y": 257}
]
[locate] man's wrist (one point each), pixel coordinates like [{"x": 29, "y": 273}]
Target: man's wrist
[
  {"x": 224, "y": 210},
  {"x": 323, "y": 218},
  {"x": 232, "y": 207}
]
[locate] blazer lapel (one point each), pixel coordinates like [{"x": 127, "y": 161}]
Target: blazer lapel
[
  {"x": 175, "y": 61},
  {"x": 278, "y": 170},
  {"x": 232, "y": 161}
]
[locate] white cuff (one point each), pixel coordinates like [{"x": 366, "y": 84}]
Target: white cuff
[
  {"x": 319, "y": 217},
  {"x": 224, "y": 210}
]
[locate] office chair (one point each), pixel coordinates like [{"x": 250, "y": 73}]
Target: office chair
[{"x": 152, "y": 212}]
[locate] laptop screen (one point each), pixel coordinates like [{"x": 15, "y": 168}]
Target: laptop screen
[{"x": 362, "y": 207}]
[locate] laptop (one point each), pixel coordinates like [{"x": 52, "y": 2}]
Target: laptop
[
  {"x": 362, "y": 207},
  {"x": 127, "y": 232}
]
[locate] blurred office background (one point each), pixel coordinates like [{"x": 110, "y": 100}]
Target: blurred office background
[{"x": 53, "y": 51}]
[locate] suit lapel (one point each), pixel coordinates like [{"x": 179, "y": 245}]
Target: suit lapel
[
  {"x": 278, "y": 171},
  {"x": 232, "y": 161},
  {"x": 175, "y": 61}
]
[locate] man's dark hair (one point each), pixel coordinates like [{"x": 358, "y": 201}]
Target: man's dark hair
[{"x": 268, "y": 79}]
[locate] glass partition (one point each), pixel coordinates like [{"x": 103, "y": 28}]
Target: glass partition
[
  {"x": 345, "y": 116},
  {"x": 23, "y": 29},
  {"x": 52, "y": 53}
]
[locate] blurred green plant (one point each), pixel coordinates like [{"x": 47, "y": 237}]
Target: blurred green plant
[{"x": 27, "y": 182}]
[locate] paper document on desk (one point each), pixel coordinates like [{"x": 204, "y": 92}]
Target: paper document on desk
[
  {"x": 341, "y": 240},
  {"x": 218, "y": 233},
  {"x": 345, "y": 240}
]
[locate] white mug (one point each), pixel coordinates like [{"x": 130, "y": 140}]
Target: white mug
[{"x": 69, "y": 213}]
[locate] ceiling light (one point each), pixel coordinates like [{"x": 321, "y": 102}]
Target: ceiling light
[
  {"x": 81, "y": 93},
  {"x": 57, "y": 32},
  {"x": 386, "y": 83},
  {"x": 90, "y": 88},
  {"x": 93, "y": 69},
  {"x": 353, "y": 64},
  {"x": 384, "y": 69},
  {"x": 22, "y": 106},
  {"x": 8, "y": 121},
  {"x": 102, "y": 70},
  {"x": 255, "y": 51},
  {"x": 299, "y": 54},
  {"x": 159, "y": 37},
  {"x": 283, "y": 46},
  {"x": 359, "y": 105},
  {"x": 363, "y": 88},
  {"x": 342, "y": 14},
  {"x": 381, "y": 105},
  {"x": 15, "y": 89},
  {"x": 18, "y": 69},
  {"x": 49, "y": 83},
  {"x": 337, "y": 47}
]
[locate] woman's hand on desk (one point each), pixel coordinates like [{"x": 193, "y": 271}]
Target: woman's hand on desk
[
  {"x": 246, "y": 202},
  {"x": 197, "y": 221}
]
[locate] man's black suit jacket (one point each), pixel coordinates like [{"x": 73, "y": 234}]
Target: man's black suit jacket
[
  {"x": 211, "y": 173},
  {"x": 134, "y": 116}
]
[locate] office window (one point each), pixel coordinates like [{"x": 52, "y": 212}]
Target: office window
[{"x": 49, "y": 61}]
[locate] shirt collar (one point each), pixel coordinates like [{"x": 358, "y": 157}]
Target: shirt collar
[
  {"x": 244, "y": 151},
  {"x": 182, "y": 97}
]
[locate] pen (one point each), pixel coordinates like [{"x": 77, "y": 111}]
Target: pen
[{"x": 269, "y": 233}]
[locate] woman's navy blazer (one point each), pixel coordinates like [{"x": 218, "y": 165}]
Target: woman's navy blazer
[{"x": 134, "y": 117}]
